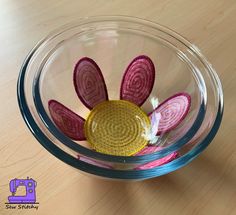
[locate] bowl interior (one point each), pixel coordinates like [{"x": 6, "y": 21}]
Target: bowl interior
[{"x": 113, "y": 48}]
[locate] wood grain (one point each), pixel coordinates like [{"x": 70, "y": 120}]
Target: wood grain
[{"x": 206, "y": 186}]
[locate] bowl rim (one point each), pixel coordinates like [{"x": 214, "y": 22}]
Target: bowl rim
[{"x": 122, "y": 174}]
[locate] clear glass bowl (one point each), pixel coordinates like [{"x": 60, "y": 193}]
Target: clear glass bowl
[{"x": 113, "y": 41}]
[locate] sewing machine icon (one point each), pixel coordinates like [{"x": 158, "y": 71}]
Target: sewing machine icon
[{"x": 30, "y": 186}]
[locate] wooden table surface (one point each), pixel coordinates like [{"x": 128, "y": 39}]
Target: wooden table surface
[{"x": 205, "y": 186}]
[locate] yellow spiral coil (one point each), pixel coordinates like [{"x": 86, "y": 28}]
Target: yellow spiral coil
[{"x": 117, "y": 127}]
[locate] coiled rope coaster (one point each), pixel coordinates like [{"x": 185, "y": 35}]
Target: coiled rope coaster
[{"x": 117, "y": 127}]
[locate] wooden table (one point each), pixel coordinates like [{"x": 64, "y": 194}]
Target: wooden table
[{"x": 206, "y": 186}]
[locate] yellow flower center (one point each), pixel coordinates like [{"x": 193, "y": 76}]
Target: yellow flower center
[{"x": 117, "y": 127}]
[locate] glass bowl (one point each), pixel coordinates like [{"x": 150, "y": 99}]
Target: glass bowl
[{"x": 113, "y": 42}]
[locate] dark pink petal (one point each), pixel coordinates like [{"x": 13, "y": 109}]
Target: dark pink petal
[
  {"x": 89, "y": 83},
  {"x": 138, "y": 80},
  {"x": 94, "y": 162},
  {"x": 67, "y": 121},
  {"x": 173, "y": 111}
]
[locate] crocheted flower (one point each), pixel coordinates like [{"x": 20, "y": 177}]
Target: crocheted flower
[{"x": 119, "y": 127}]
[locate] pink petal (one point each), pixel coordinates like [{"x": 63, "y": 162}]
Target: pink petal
[
  {"x": 138, "y": 80},
  {"x": 67, "y": 121},
  {"x": 89, "y": 83},
  {"x": 94, "y": 162},
  {"x": 149, "y": 150},
  {"x": 173, "y": 111},
  {"x": 159, "y": 162}
]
